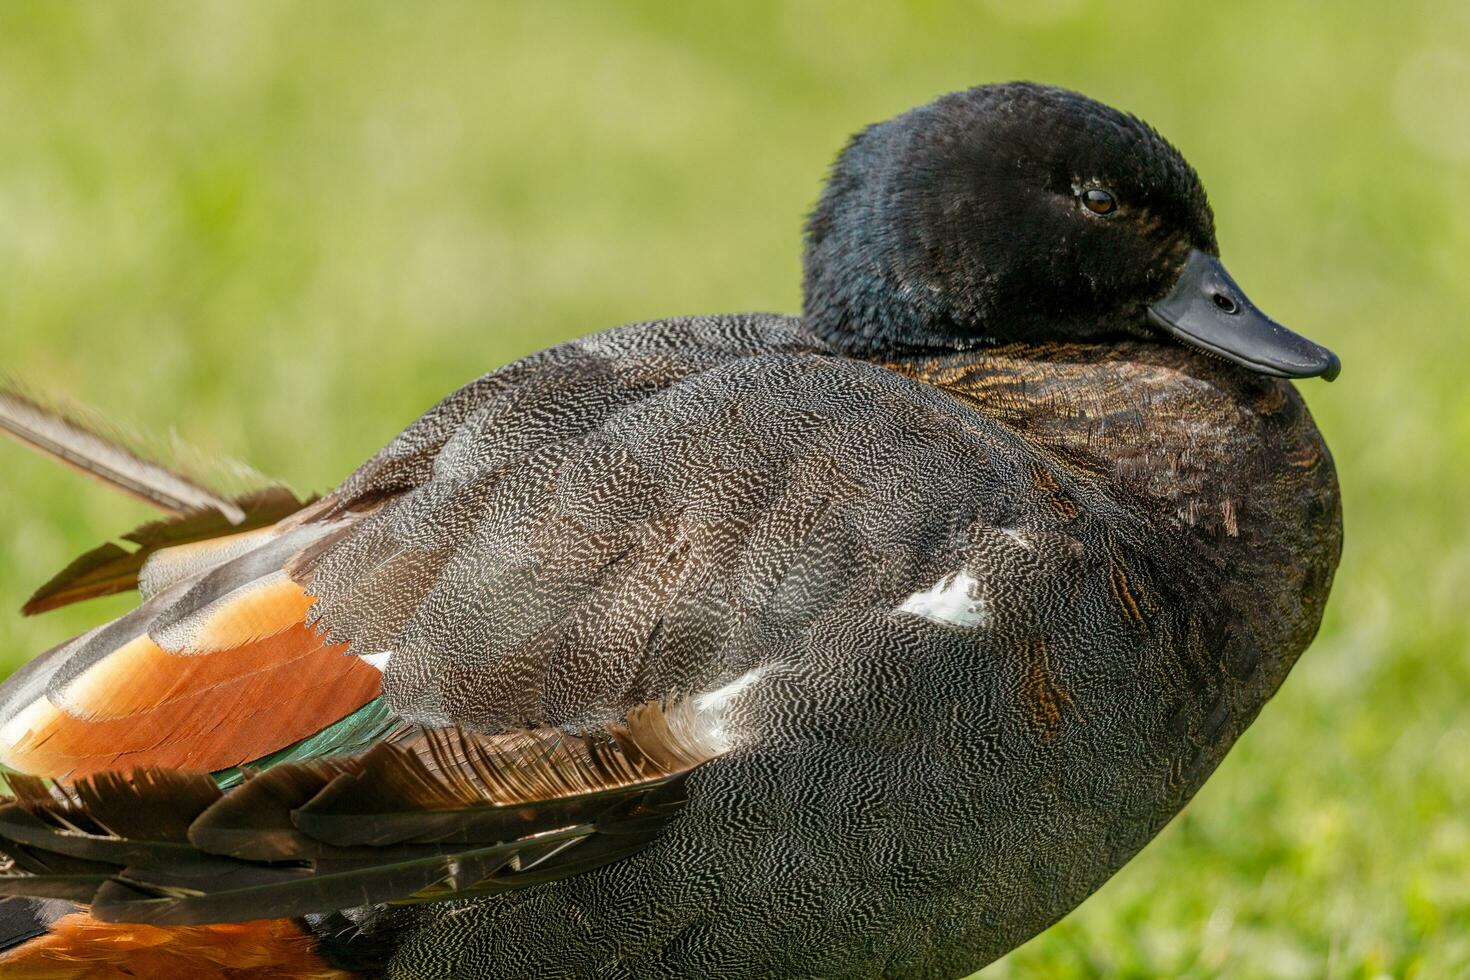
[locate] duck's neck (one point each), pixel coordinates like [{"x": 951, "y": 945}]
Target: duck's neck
[
  {"x": 870, "y": 316},
  {"x": 1223, "y": 472},
  {"x": 866, "y": 316},
  {"x": 1158, "y": 421}
]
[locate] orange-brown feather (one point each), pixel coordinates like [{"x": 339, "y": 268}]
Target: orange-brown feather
[
  {"x": 265, "y": 681},
  {"x": 142, "y": 676},
  {"x": 262, "y": 609},
  {"x": 250, "y": 678},
  {"x": 78, "y": 946},
  {"x": 227, "y": 725}
]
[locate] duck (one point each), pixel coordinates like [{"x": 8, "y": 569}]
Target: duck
[{"x": 864, "y": 642}]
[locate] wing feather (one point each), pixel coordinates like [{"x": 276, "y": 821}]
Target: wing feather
[
  {"x": 435, "y": 815},
  {"x": 213, "y": 671}
]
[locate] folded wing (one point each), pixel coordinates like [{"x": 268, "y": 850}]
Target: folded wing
[
  {"x": 216, "y": 668},
  {"x": 432, "y": 815}
]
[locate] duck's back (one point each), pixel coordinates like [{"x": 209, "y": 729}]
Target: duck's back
[{"x": 976, "y": 626}]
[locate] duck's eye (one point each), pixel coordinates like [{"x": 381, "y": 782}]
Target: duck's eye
[{"x": 1099, "y": 201}]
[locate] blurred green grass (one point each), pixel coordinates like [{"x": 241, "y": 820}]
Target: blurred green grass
[{"x": 285, "y": 229}]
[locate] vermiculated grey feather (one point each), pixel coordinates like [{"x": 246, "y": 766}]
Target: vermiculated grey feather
[{"x": 978, "y": 645}]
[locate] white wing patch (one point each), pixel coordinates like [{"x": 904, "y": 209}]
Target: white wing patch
[
  {"x": 954, "y": 600},
  {"x": 378, "y": 660}
]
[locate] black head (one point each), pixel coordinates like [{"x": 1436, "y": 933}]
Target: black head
[{"x": 1023, "y": 212}]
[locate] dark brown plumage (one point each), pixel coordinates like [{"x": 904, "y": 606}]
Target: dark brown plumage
[{"x": 965, "y": 582}]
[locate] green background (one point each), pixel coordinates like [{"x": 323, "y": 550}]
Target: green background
[{"x": 285, "y": 229}]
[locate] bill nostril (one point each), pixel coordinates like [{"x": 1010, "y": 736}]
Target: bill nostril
[{"x": 1225, "y": 303}]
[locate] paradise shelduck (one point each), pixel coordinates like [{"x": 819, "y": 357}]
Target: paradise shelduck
[{"x": 865, "y": 642}]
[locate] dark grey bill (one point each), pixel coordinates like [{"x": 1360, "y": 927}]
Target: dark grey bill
[{"x": 1206, "y": 309}]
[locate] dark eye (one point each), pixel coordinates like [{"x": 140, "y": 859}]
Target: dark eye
[{"x": 1099, "y": 201}]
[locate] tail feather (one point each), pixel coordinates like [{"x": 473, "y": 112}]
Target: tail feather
[
  {"x": 106, "y": 453},
  {"x": 168, "y": 551},
  {"x": 205, "y": 497}
]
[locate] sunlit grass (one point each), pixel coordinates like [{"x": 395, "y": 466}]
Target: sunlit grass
[{"x": 285, "y": 229}]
